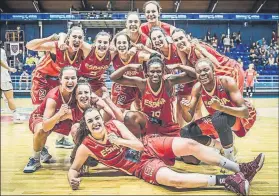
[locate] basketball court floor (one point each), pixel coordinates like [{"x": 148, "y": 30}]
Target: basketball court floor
[{"x": 51, "y": 179}]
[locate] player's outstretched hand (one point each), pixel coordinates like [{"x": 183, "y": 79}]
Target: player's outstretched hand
[{"x": 75, "y": 182}]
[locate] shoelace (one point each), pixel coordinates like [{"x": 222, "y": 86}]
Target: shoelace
[{"x": 32, "y": 161}]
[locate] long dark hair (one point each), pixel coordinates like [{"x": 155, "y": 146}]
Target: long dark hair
[{"x": 83, "y": 130}]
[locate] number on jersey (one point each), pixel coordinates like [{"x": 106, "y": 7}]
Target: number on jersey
[{"x": 156, "y": 114}]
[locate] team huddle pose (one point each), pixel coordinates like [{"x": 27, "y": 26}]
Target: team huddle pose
[{"x": 161, "y": 79}]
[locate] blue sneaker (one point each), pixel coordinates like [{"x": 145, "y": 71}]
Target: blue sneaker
[
  {"x": 64, "y": 143},
  {"x": 45, "y": 156},
  {"x": 32, "y": 165}
]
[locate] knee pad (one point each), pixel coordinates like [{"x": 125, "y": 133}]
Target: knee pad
[
  {"x": 191, "y": 130},
  {"x": 222, "y": 121}
]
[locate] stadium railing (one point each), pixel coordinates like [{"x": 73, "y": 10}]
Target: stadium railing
[{"x": 266, "y": 83}]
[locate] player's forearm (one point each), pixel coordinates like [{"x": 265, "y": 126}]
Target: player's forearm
[
  {"x": 133, "y": 144},
  {"x": 35, "y": 43},
  {"x": 109, "y": 112},
  {"x": 241, "y": 112},
  {"x": 209, "y": 56},
  {"x": 118, "y": 74},
  {"x": 189, "y": 70},
  {"x": 187, "y": 115},
  {"x": 116, "y": 110},
  {"x": 48, "y": 124}
]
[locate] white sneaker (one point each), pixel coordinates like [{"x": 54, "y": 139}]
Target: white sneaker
[
  {"x": 32, "y": 166},
  {"x": 18, "y": 119}
]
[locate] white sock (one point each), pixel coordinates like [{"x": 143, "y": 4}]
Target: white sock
[
  {"x": 211, "y": 180},
  {"x": 37, "y": 155},
  {"x": 229, "y": 153},
  {"x": 229, "y": 165}
]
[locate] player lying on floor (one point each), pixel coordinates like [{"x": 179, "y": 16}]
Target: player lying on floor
[{"x": 115, "y": 146}]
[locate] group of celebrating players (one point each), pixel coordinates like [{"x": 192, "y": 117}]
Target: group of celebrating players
[{"x": 161, "y": 79}]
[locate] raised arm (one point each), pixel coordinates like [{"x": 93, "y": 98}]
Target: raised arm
[
  {"x": 188, "y": 74},
  {"x": 44, "y": 44},
  {"x": 205, "y": 53},
  {"x": 189, "y": 106},
  {"x": 73, "y": 175},
  {"x": 240, "y": 110},
  {"x": 128, "y": 140},
  {"x": 119, "y": 77}
]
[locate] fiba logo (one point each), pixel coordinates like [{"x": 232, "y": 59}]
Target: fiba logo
[
  {"x": 121, "y": 99},
  {"x": 42, "y": 94}
]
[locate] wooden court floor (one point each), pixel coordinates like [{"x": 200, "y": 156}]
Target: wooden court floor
[{"x": 51, "y": 179}]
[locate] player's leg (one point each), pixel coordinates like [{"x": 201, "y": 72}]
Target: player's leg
[
  {"x": 39, "y": 140},
  {"x": 235, "y": 183},
  {"x": 222, "y": 123},
  {"x": 9, "y": 94},
  {"x": 185, "y": 147}
]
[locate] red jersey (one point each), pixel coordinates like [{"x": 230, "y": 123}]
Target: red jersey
[
  {"x": 109, "y": 154},
  {"x": 47, "y": 66},
  {"x": 118, "y": 62},
  {"x": 146, "y": 28},
  {"x": 56, "y": 96},
  {"x": 63, "y": 59},
  {"x": 94, "y": 66},
  {"x": 242, "y": 125},
  {"x": 142, "y": 39},
  {"x": 172, "y": 57},
  {"x": 159, "y": 104},
  {"x": 250, "y": 74}
]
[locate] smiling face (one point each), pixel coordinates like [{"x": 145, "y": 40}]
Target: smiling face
[
  {"x": 204, "y": 73},
  {"x": 83, "y": 93},
  {"x": 68, "y": 80},
  {"x": 76, "y": 39},
  {"x": 133, "y": 23},
  {"x": 151, "y": 13},
  {"x": 155, "y": 72},
  {"x": 95, "y": 124},
  {"x": 122, "y": 44},
  {"x": 158, "y": 39},
  {"x": 180, "y": 40},
  {"x": 102, "y": 44}
]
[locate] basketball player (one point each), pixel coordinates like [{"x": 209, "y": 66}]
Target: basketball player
[
  {"x": 46, "y": 118},
  {"x": 170, "y": 54},
  {"x": 152, "y": 10},
  {"x": 7, "y": 87},
  {"x": 189, "y": 54},
  {"x": 115, "y": 146},
  {"x": 133, "y": 31},
  {"x": 251, "y": 76},
  {"x": 229, "y": 112},
  {"x": 157, "y": 94},
  {"x": 94, "y": 66},
  {"x": 45, "y": 76},
  {"x": 123, "y": 96}
]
